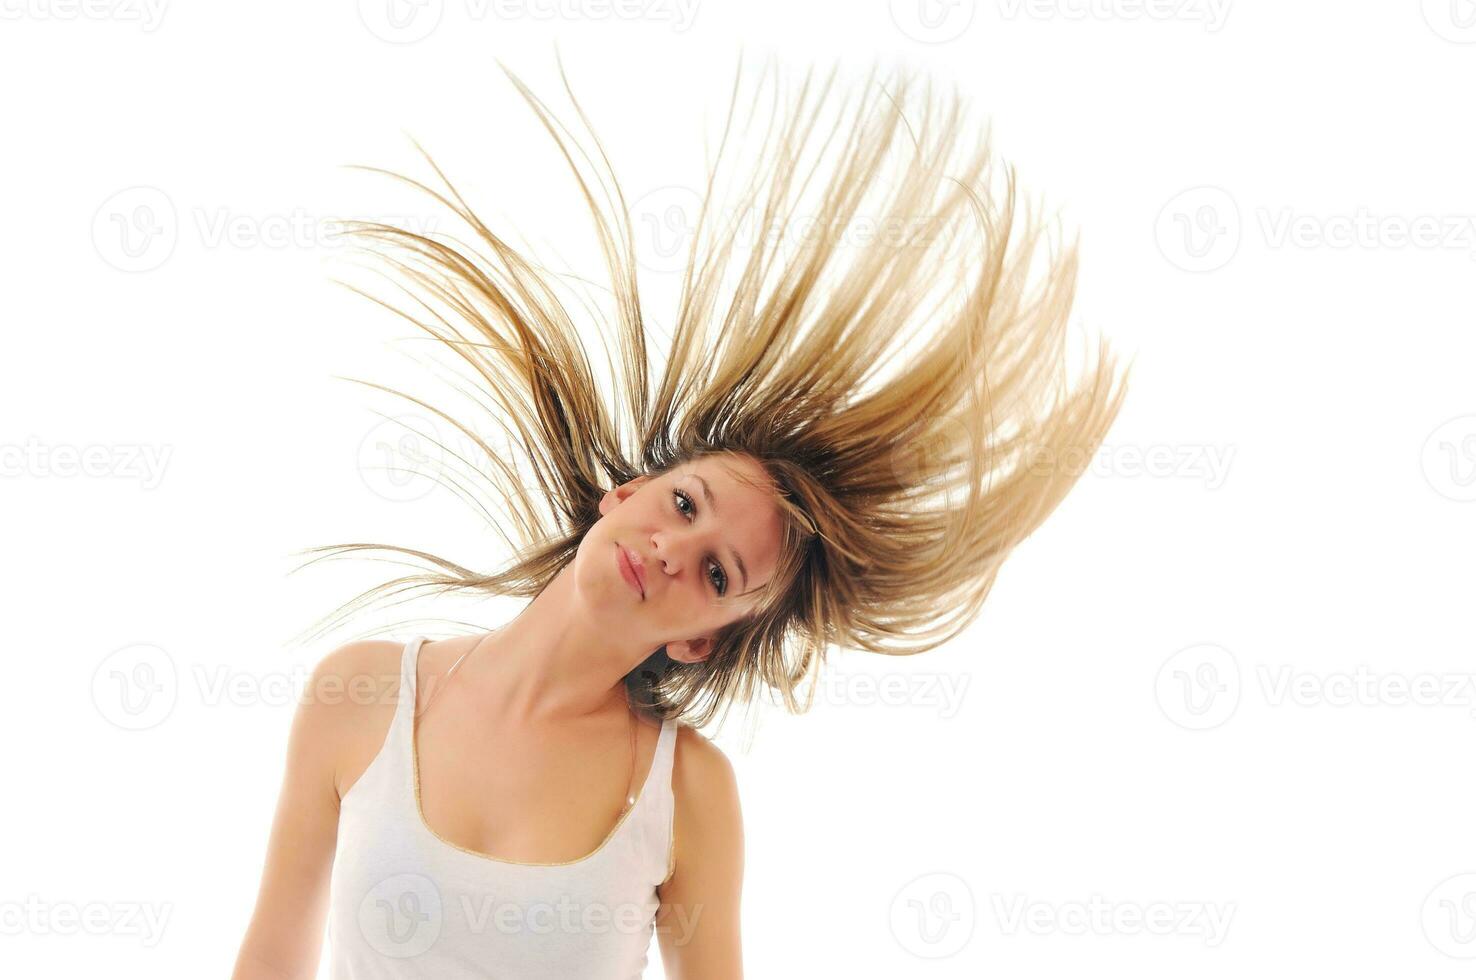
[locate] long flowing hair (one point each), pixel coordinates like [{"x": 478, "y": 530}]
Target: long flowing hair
[{"x": 899, "y": 369}]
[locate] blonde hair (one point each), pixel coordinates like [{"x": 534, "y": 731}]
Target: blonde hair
[{"x": 900, "y": 496}]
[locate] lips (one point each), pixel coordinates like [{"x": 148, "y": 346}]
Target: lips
[{"x": 630, "y": 569}]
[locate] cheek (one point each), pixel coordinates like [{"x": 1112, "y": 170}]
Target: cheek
[{"x": 687, "y": 607}]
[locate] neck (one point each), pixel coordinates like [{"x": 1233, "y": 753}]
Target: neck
[{"x": 547, "y": 666}]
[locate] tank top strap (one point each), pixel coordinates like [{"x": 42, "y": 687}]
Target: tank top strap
[
  {"x": 409, "y": 658},
  {"x": 404, "y": 720},
  {"x": 660, "y": 812},
  {"x": 661, "y": 763}
]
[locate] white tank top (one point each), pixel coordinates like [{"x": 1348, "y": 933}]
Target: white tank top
[{"x": 405, "y": 902}]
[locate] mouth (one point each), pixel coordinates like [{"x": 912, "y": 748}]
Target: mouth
[{"x": 630, "y": 570}]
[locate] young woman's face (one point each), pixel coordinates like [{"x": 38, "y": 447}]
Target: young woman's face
[{"x": 697, "y": 537}]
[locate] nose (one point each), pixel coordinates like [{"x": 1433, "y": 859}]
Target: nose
[
  {"x": 670, "y": 551},
  {"x": 660, "y": 553}
]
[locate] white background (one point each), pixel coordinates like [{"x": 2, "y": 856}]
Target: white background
[{"x": 1276, "y": 206}]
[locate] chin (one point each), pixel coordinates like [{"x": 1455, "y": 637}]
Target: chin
[{"x": 597, "y": 577}]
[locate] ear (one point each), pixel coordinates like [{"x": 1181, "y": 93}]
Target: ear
[
  {"x": 613, "y": 497},
  {"x": 690, "y": 651}
]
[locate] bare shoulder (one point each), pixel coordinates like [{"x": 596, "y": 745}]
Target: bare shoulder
[
  {"x": 699, "y": 765},
  {"x": 708, "y": 822},
  {"x": 355, "y": 688},
  {"x": 359, "y": 674},
  {"x": 359, "y": 685},
  {"x": 698, "y": 921}
]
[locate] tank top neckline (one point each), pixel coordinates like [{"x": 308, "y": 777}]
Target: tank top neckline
[{"x": 658, "y": 761}]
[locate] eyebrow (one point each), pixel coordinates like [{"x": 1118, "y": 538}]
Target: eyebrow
[{"x": 712, "y": 502}]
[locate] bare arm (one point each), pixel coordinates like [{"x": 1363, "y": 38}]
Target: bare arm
[
  {"x": 697, "y": 924},
  {"x": 285, "y": 937}
]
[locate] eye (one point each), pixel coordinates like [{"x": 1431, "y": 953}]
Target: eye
[{"x": 720, "y": 583}]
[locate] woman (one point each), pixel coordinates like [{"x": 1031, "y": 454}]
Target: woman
[{"x": 770, "y": 496}]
